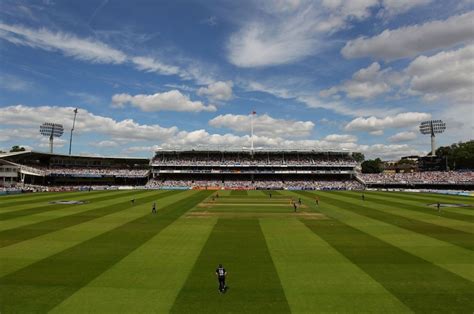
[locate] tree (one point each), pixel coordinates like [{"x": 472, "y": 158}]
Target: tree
[
  {"x": 17, "y": 148},
  {"x": 460, "y": 155},
  {"x": 372, "y": 166},
  {"x": 359, "y": 157}
]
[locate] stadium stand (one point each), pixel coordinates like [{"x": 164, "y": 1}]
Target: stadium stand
[
  {"x": 427, "y": 179},
  {"x": 43, "y": 169},
  {"x": 8, "y": 174},
  {"x": 212, "y": 169},
  {"x": 239, "y": 169}
]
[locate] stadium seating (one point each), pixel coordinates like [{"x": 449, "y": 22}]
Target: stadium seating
[
  {"x": 296, "y": 170},
  {"x": 428, "y": 177}
]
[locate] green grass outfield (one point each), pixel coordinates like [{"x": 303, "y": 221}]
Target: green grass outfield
[{"x": 391, "y": 253}]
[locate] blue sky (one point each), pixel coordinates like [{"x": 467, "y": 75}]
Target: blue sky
[{"x": 356, "y": 75}]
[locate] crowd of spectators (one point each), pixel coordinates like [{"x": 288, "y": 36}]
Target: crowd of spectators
[
  {"x": 24, "y": 188},
  {"x": 98, "y": 172},
  {"x": 278, "y": 160},
  {"x": 427, "y": 177},
  {"x": 9, "y": 189},
  {"x": 36, "y": 170},
  {"x": 87, "y": 171},
  {"x": 267, "y": 184}
]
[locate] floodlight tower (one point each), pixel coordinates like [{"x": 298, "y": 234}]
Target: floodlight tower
[
  {"x": 72, "y": 130},
  {"x": 253, "y": 113},
  {"x": 432, "y": 127},
  {"x": 51, "y": 130}
]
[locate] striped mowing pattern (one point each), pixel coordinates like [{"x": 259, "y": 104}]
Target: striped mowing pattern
[{"x": 390, "y": 253}]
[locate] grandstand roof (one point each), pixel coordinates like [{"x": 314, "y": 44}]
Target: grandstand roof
[
  {"x": 8, "y": 163},
  {"x": 256, "y": 150},
  {"x": 31, "y": 152}
]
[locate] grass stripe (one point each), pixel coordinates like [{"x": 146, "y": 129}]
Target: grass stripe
[
  {"x": 318, "y": 279},
  {"x": 432, "y": 197},
  {"x": 149, "y": 279},
  {"x": 423, "y": 199},
  {"x": 450, "y": 257},
  {"x": 16, "y": 235},
  {"x": 273, "y": 192},
  {"x": 418, "y": 215},
  {"x": 410, "y": 198},
  {"x": 266, "y": 200},
  {"x": 456, "y": 237},
  {"x": 421, "y": 208},
  {"x": 26, "y": 196},
  {"x": 238, "y": 193},
  {"x": 72, "y": 209},
  {"x": 7, "y": 197},
  {"x": 29, "y": 290},
  {"x": 51, "y": 207},
  {"x": 422, "y": 286},
  {"x": 35, "y": 198},
  {"x": 254, "y": 284},
  {"x": 37, "y": 203},
  {"x": 20, "y": 255}
]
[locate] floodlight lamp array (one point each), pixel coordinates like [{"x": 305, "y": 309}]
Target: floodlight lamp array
[
  {"x": 432, "y": 127},
  {"x": 438, "y": 126},
  {"x": 51, "y": 129}
]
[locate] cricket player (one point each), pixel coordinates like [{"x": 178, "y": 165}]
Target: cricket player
[
  {"x": 221, "y": 273},
  {"x": 153, "y": 209}
]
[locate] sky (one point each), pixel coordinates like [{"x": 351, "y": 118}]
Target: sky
[{"x": 356, "y": 75}]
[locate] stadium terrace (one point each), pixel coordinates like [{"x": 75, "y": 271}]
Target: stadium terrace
[{"x": 214, "y": 169}]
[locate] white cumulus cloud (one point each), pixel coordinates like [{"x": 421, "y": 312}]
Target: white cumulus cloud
[
  {"x": 264, "y": 125},
  {"x": 403, "y": 137},
  {"x": 412, "y": 40},
  {"x": 371, "y": 124},
  {"x": 172, "y": 100},
  {"x": 18, "y": 121},
  {"x": 87, "y": 122},
  {"x": 221, "y": 91},
  {"x": 448, "y": 75},
  {"x": 341, "y": 138},
  {"x": 286, "y": 31},
  {"x": 366, "y": 83},
  {"x": 105, "y": 144}
]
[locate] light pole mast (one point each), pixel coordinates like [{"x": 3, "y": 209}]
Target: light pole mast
[
  {"x": 72, "y": 129},
  {"x": 51, "y": 139},
  {"x": 433, "y": 141},
  {"x": 251, "y": 131}
]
